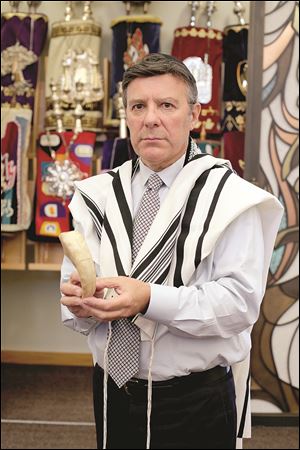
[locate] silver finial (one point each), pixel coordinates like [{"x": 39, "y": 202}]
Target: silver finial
[
  {"x": 210, "y": 9},
  {"x": 69, "y": 11},
  {"x": 239, "y": 10},
  {"x": 87, "y": 11},
  {"x": 33, "y": 6},
  {"x": 194, "y": 6},
  {"x": 14, "y": 6}
]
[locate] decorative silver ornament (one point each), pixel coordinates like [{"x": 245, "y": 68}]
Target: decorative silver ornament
[
  {"x": 60, "y": 178},
  {"x": 15, "y": 59},
  {"x": 202, "y": 72}
]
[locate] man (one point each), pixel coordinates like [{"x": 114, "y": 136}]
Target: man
[{"x": 187, "y": 287}]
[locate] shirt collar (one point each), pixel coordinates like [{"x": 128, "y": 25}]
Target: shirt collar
[{"x": 167, "y": 175}]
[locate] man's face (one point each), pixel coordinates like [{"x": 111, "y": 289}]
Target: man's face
[{"x": 159, "y": 119}]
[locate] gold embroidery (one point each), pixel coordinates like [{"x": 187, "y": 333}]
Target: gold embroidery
[
  {"x": 16, "y": 105},
  {"x": 72, "y": 29},
  {"x": 209, "y": 111},
  {"x": 10, "y": 91},
  {"x": 145, "y": 18},
  {"x": 207, "y": 124},
  {"x": 238, "y": 123},
  {"x": 89, "y": 122},
  {"x": 196, "y": 32},
  {"x": 238, "y": 105},
  {"x": 90, "y": 106}
]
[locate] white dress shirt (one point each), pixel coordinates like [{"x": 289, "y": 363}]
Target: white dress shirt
[{"x": 207, "y": 323}]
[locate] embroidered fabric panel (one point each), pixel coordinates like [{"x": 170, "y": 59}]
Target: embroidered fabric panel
[
  {"x": 116, "y": 152},
  {"x": 22, "y": 40},
  {"x": 195, "y": 41},
  {"x": 131, "y": 42},
  {"x": 52, "y": 215},
  {"x": 15, "y": 134},
  {"x": 74, "y": 38},
  {"x": 235, "y": 54}
]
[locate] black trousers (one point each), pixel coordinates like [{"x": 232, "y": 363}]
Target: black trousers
[{"x": 193, "y": 412}]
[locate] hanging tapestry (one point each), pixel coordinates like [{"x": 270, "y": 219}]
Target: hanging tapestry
[
  {"x": 133, "y": 37},
  {"x": 73, "y": 58},
  {"x": 15, "y": 134},
  {"x": 62, "y": 158},
  {"x": 201, "y": 50},
  {"x": 116, "y": 152},
  {"x": 234, "y": 94},
  {"x": 23, "y": 37}
]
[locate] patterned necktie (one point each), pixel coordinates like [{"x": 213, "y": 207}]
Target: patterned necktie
[{"x": 123, "y": 351}]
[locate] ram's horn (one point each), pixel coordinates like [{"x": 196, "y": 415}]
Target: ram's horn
[{"x": 76, "y": 249}]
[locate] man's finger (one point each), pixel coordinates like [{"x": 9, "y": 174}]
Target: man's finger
[
  {"x": 71, "y": 289},
  {"x": 102, "y": 283},
  {"x": 74, "y": 278},
  {"x": 71, "y": 301}
]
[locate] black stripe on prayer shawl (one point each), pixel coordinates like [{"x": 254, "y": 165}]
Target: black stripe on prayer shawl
[
  {"x": 123, "y": 205},
  {"x": 95, "y": 212},
  {"x": 161, "y": 263},
  {"x": 110, "y": 234},
  {"x": 186, "y": 222},
  {"x": 157, "y": 248},
  {"x": 243, "y": 416},
  {"x": 212, "y": 208}
]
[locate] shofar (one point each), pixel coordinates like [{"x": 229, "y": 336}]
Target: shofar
[{"x": 76, "y": 249}]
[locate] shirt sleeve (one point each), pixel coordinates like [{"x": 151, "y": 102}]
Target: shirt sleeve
[{"x": 225, "y": 294}]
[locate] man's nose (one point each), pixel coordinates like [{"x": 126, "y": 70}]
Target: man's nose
[{"x": 151, "y": 117}]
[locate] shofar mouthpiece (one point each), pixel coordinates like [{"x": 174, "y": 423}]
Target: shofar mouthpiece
[{"x": 76, "y": 249}]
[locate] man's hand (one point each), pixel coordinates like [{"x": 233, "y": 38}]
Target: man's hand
[
  {"x": 72, "y": 296},
  {"x": 133, "y": 297}
]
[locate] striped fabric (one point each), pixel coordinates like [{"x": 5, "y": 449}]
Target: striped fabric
[
  {"x": 183, "y": 232},
  {"x": 205, "y": 197}
]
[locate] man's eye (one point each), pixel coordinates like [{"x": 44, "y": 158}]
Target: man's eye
[
  {"x": 167, "y": 105},
  {"x": 137, "y": 107}
]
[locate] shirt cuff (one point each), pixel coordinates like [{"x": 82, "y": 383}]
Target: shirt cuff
[
  {"x": 84, "y": 325},
  {"x": 163, "y": 303}
]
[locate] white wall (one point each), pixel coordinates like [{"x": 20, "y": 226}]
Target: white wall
[
  {"x": 30, "y": 319},
  {"x": 30, "y": 300}
]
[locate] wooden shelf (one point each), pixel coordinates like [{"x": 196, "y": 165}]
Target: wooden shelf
[
  {"x": 13, "y": 266},
  {"x": 42, "y": 266},
  {"x": 47, "y": 256},
  {"x": 13, "y": 251}
]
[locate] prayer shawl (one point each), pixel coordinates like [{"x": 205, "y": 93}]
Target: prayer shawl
[{"x": 205, "y": 197}]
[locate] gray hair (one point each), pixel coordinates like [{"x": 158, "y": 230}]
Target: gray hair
[{"x": 160, "y": 64}]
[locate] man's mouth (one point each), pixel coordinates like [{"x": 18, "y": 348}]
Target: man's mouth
[{"x": 150, "y": 138}]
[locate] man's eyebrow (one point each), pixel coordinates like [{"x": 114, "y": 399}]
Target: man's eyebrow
[
  {"x": 136, "y": 100},
  {"x": 158, "y": 100},
  {"x": 168, "y": 100}
]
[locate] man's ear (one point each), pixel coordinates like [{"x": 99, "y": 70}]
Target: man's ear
[{"x": 195, "y": 115}]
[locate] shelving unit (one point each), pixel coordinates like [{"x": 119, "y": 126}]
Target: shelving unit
[
  {"x": 47, "y": 256},
  {"x": 13, "y": 251}
]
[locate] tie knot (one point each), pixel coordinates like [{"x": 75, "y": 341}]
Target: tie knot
[{"x": 154, "y": 182}]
